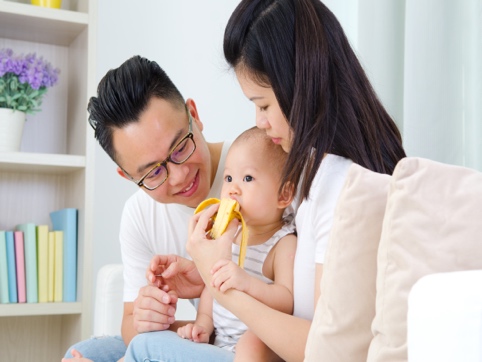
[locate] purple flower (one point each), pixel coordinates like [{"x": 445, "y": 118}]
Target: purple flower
[
  {"x": 24, "y": 79},
  {"x": 29, "y": 68}
]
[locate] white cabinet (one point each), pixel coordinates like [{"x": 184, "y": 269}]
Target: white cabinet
[{"x": 54, "y": 170}]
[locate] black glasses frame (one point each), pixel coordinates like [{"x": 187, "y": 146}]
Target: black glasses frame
[{"x": 189, "y": 135}]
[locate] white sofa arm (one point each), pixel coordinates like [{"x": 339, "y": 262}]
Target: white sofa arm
[
  {"x": 109, "y": 306},
  {"x": 445, "y": 318}
]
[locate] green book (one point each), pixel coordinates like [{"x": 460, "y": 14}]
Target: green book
[{"x": 30, "y": 249}]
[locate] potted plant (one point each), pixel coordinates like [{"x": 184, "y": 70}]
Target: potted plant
[{"x": 24, "y": 80}]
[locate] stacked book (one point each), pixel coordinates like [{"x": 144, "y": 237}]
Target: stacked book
[{"x": 38, "y": 264}]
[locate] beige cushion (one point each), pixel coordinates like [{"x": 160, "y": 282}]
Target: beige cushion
[
  {"x": 432, "y": 224},
  {"x": 341, "y": 328}
]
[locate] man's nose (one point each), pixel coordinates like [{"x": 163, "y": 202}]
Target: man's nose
[{"x": 177, "y": 174}]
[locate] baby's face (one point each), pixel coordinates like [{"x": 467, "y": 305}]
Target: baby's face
[{"x": 252, "y": 180}]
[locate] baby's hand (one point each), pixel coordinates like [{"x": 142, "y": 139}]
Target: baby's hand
[
  {"x": 227, "y": 275},
  {"x": 193, "y": 332}
]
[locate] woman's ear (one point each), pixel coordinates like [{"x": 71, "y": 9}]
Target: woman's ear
[{"x": 286, "y": 195}]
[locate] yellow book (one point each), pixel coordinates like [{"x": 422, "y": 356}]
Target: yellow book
[
  {"x": 43, "y": 262},
  {"x": 59, "y": 266},
  {"x": 51, "y": 267}
]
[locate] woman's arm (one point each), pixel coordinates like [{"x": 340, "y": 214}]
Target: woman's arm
[
  {"x": 285, "y": 334},
  {"x": 278, "y": 266}
]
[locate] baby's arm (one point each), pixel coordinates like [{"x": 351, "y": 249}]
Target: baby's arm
[
  {"x": 278, "y": 266},
  {"x": 201, "y": 329}
]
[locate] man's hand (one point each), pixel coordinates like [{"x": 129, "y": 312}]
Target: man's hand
[
  {"x": 154, "y": 309},
  {"x": 175, "y": 273}
]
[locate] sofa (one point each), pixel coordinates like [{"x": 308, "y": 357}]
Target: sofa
[
  {"x": 402, "y": 276},
  {"x": 402, "y": 279}
]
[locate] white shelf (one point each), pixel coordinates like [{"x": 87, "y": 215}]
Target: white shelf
[
  {"x": 55, "y": 169},
  {"x": 40, "y": 163},
  {"x": 38, "y": 24},
  {"x": 30, "y": 309}
]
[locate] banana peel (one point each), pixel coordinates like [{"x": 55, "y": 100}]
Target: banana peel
[{"x": 228, "y": 210}]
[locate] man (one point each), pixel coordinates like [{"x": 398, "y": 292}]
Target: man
[{"x": 155, "y": 137}]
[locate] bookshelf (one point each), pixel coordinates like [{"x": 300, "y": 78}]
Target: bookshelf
[{"x": 54, "y": 169}]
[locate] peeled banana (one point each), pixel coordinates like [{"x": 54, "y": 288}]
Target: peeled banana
[{"x": 228, "y": 210}]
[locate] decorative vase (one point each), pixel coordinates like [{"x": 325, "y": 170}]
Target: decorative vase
[
  {"x": 48, "y": 3},
  {"x": 11, "y": 129}
]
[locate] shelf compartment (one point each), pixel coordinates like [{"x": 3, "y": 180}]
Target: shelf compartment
[
  {"x": 27, "y": 162},
  {"x": 44, "y": 25}
]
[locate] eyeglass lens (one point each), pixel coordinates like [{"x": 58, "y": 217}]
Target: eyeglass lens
[{"x": 180, "y": 154}]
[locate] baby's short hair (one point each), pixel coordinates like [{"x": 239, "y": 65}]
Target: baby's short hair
[{"x": 274, "y": 152}]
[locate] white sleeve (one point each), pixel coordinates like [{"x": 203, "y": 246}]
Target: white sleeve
[
  {"x": 136, "y": 254},
  {"x": 328, "y": 192}
]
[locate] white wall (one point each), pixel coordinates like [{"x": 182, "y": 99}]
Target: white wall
[{"x": 185, "y": 38}]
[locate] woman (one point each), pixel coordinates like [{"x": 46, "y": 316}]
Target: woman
[{"x": 312, "y": 97}]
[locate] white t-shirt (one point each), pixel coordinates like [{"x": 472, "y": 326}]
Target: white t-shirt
[
  {"x": 149, "y": 228},
  {"x": 313, "y": 224}
]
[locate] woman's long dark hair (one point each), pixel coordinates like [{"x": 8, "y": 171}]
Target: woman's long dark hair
[{"x": 299, "y": 48}]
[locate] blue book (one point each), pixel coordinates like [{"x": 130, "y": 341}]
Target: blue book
[
  {"x": 12, "y": 267},
  {"x": 66, "y": 220},
  {"x": 30, "y": 250},
  {"x": 4, "y": 298}
]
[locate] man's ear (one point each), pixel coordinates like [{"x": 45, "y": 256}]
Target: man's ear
[
  {"x": 191, "y": 107},
  {"x": 286, "y": 195},
  {"x": 122, "y": 173}
]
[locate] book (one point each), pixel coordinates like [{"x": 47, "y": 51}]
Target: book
[
  {"x": 51, "y": 267},
  {"x": 30, "y": 251},
  {"x": 66, "y": 220},
  {"x": 58, "y": 267},
  {"x": 12, "y": 267},
  {"x": 43, "y": 262},
  {"x": 4, "y": 298},
  {"x": 20, "y": 263}
]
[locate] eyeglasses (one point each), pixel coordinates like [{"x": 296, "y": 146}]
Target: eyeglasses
[{"x": 179, "y": 154}]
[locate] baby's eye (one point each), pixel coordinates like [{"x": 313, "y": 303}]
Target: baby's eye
[
  {"x": 248, "y": 178},
  {"x": 262, "y": 109},
  {"x": 228, "y": 178}
]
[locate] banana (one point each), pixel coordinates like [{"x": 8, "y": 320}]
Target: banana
[{"x": 228, "y": 210}]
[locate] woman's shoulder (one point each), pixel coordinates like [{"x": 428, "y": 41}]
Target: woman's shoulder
[
  {"x": 333, "y": 170},
  {"x": 334, "y": 163}
]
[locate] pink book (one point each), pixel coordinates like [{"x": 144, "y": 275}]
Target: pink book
[{"x": 20, "y": 259}]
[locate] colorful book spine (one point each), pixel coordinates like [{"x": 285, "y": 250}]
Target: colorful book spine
[
  {"x": 43, "y": 262},
  {"x": 51, "y": 267},
  {"x": 58, "y": 268},
  {"x": 20, "y": 263},
  {"x": 30, "y": 249},
  {"x": 66, "y": 220},
  {"x": 4, "y": 298},
  {"x": 12, "y": 269}
]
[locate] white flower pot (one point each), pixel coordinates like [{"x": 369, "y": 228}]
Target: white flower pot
[{"x": 11, "y": 129}]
